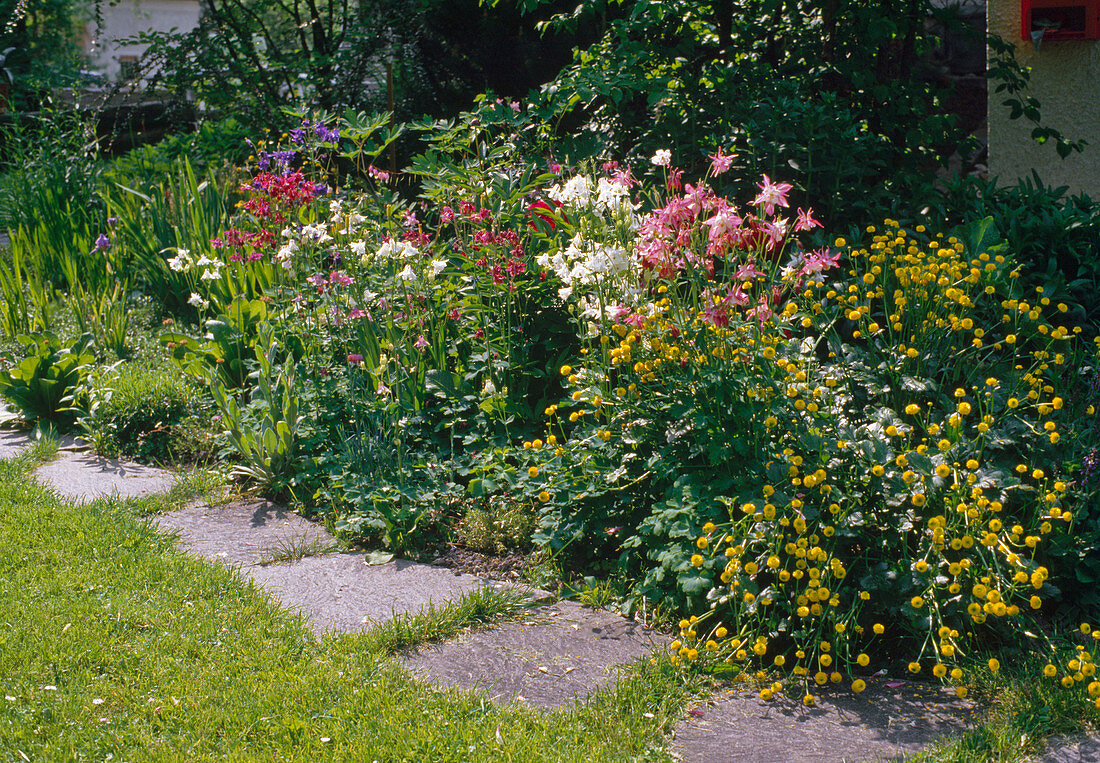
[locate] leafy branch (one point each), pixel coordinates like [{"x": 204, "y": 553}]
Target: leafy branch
[{"x": 1014, "y": 79}]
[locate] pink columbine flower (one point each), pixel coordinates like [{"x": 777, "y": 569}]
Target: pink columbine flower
[
  {"x": 421, "y": 343},
  {"x": 446, "y": 215},
  {"x": 806, "y": 220},
  {"x": 772, "y": 195},
  {"x": 720, "y": 162},
  {"x": 747, "y": 272},
  {"x": 354, "y": 357},
  {"x": 724, "y": 224},
  {"x": 819, "y": 260}
]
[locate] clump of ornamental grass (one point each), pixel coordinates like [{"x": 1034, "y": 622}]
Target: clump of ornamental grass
[{"x": 829, "y": 468}]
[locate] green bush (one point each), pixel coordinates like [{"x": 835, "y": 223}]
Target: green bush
[
  {"x": 135, "y": 410},
  {"x": 1054, "y": 236},
  {"x": 45, "y": 385}
]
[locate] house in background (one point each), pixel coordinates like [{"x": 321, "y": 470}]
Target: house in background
[
  {"x": 124, "y": 19},
  {"x": 1065, "y": 80}
]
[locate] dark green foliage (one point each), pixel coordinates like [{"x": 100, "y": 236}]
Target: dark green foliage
[
  {"x": 839, "y": 92},
  {"x": 134, "y": 411},
  {"x": 44, "y": 385},
  {"x": 1056, "y": 236}
]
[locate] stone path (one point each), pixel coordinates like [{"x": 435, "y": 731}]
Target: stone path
[
  {"x": 84, "y": 476},
  {"x": 889, "y": 720},
  {"x": 556, "y": 654}
]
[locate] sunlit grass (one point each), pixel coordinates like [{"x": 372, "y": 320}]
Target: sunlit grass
[{"x": 115, "y": 643}]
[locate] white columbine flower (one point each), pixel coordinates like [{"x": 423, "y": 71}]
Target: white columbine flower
[
  {"x": 408, "y": 274},
  {"x": 358, "y": 248},
  {"x": 662, "y": 158},
  {"x": 196, "y": 300},
  {"x": 612, "y": 196},
  {"x": 397, "y": 250},
  {"x": 286, "y": 251},
  {"x": 576, "y": 191},
  {"x": 435, "y": 267},
  {"x": 181, "y": 262}
]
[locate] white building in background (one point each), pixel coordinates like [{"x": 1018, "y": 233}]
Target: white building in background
[
  {"x": 1059, "y": 40},
  {"x": 123, "y": 19}
]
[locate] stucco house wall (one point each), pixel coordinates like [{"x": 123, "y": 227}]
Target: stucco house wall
[
  {"x": 1065, "y": 79},
  {"x": 127, "y": 18}
]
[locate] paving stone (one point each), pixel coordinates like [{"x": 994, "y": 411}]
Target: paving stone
[
  {"x": 342, "y": 592},
  {"x": 244, "y": 532},
  {"x": 86, "y": 476},
  {"x": 885, "y": 722},
  {"x": 1070, "y": 750},
  {"x": 556, "y": 654},
  {"x": 13, "y": 442}
]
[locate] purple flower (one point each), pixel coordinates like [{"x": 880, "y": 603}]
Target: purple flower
[
  {"x": 326, "y": 135},
  {"x": 296, "y": 135},
  {"x": 421, "y": 343},
  {"x": 102, "y": 243}
]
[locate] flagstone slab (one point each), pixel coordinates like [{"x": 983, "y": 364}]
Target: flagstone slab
[
  {"x": 1071, "y": 750},
  {"x": 554, "y": 655},
  {"x": 888, "y": 721},
  {"x": 342, "y": 592},
  {"x": 243, "y": 532},
  {"x": 84, "y": 476},
  {"x": 11, "y": 443}
]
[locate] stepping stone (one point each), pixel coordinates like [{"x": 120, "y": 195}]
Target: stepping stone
[
  {"x": 13, "y": 442},
  {"x": 86, "y": 476},
  {"x": 881, "y": 723},
  {"x": 557, "y": 654},
  {"x": 1070, "y": 750},
  {"x": 244, "y": 533},
  {"x": 337, "y": 591},
  {"x": 342, "y": 592}
]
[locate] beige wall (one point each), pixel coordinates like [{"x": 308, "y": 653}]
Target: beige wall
[
  {"x": 1065, "y": 79},
  {"x": 127, "y": 18}
]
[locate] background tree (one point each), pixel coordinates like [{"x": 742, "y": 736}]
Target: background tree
[
  {"x": 254, "y": 58},
  {"x": 38, "y": 46}
]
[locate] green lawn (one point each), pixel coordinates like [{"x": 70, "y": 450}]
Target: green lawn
[{"x": 112, "y": 643}]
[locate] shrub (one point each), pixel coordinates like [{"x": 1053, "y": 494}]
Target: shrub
[
  {"x": 1054, "y": 237},
  {"x": 46, "y": 383},
  {"x": 135, "y": 409}
]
